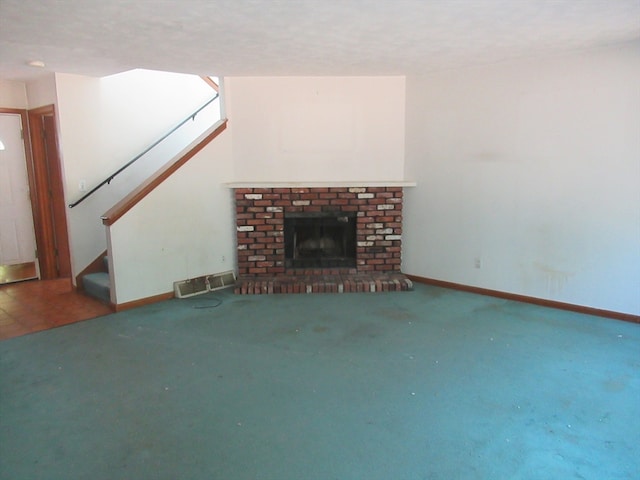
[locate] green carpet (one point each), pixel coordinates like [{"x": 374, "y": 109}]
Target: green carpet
[{"x": 429, "y": 384}]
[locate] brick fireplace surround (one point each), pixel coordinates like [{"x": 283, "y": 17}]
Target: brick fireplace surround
[{"x": 260, "y": 216}]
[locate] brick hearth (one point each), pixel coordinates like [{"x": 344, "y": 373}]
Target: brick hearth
[{"x": 260, "y": 216}]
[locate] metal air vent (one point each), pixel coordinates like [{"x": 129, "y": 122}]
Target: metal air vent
[
  {"x": 207, "y": 283},
  {"x": 190, "y": 287},
  {"x": 221, "y": 280}
]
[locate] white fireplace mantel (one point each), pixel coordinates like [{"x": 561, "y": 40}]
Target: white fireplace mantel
[{"x": 322, "y": 184}]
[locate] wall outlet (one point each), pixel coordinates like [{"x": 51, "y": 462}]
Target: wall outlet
[
  {"x": 477, "y": 262},
  {"x": 82, "y": 185}
]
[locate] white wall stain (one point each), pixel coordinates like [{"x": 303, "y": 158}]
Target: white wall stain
[{"x": 555, "y": 280}]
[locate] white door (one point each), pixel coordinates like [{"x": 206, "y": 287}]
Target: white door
[{"x": 17, "y": 236}]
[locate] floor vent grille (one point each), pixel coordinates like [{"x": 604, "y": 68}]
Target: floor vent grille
[
  {"x": 221, "y": 280},
  {"x": 206, "y": 283}
]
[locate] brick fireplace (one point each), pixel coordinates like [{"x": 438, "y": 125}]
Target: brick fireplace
[{"x": 320, "y": 257}]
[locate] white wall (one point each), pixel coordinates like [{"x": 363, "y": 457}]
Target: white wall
[
  {"x": 32, "y": 94},
  {"x": 532, "y": 167},
  {"x": 183, "y": 229},
  {"x": 104, "y": 123},
  {"x": 41, "y": 91},
  {"x": 317, "y": 128},
  {"x": 280, "y": 129},
  {"x": 13, "y": 94}
]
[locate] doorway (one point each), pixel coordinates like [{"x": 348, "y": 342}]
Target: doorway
[
  {"x": 48, "y": 202},
  {"x": 17, "y": 235}
]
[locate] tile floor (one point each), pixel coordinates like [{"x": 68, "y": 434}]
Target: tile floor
[{"x": 35, "y": 305}]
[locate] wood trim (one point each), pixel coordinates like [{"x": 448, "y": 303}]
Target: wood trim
[
  {"x": 142, "y": 302},
  {"x": 627, "y": 317},
  {"x": 49, "y": 208},
  {"x": 41, "y": 205},
  {"x": 48, "y": 196},
  {"x": 57, "y": 200},
  {"x": 145, "y": 188},
  {"x": 211, "y": 83},
  {"x": 16, "y": 111},
  {"x": 95, "y": 266}
]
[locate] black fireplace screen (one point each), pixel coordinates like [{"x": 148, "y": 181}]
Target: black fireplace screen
[{"x": 320, "y": 239}]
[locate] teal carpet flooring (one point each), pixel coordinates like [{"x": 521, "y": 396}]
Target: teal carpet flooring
[{"x": 429, "y": 384}]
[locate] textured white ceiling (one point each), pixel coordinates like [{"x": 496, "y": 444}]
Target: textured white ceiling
[{"x": 299, "y": 37}]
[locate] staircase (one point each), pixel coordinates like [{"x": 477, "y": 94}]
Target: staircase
[
  {"x": 95, "y": 280},
  {"x": 97, "y": 284}
]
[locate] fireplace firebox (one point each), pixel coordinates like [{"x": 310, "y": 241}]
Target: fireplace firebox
[{"x": 320, "y": 239}]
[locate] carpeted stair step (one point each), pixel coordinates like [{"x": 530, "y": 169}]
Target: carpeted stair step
[{"x": 98, "y": 286}]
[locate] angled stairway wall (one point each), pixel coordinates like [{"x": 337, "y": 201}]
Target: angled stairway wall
[
  {"x": 178, "y": 231},
  {"x": 103, "y": 124}
]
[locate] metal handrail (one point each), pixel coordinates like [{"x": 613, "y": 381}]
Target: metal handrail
[{"x": 137, "y": 157}]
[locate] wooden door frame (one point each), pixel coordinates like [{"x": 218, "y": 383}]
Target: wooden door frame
[{"x": 49, "y": 208}]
